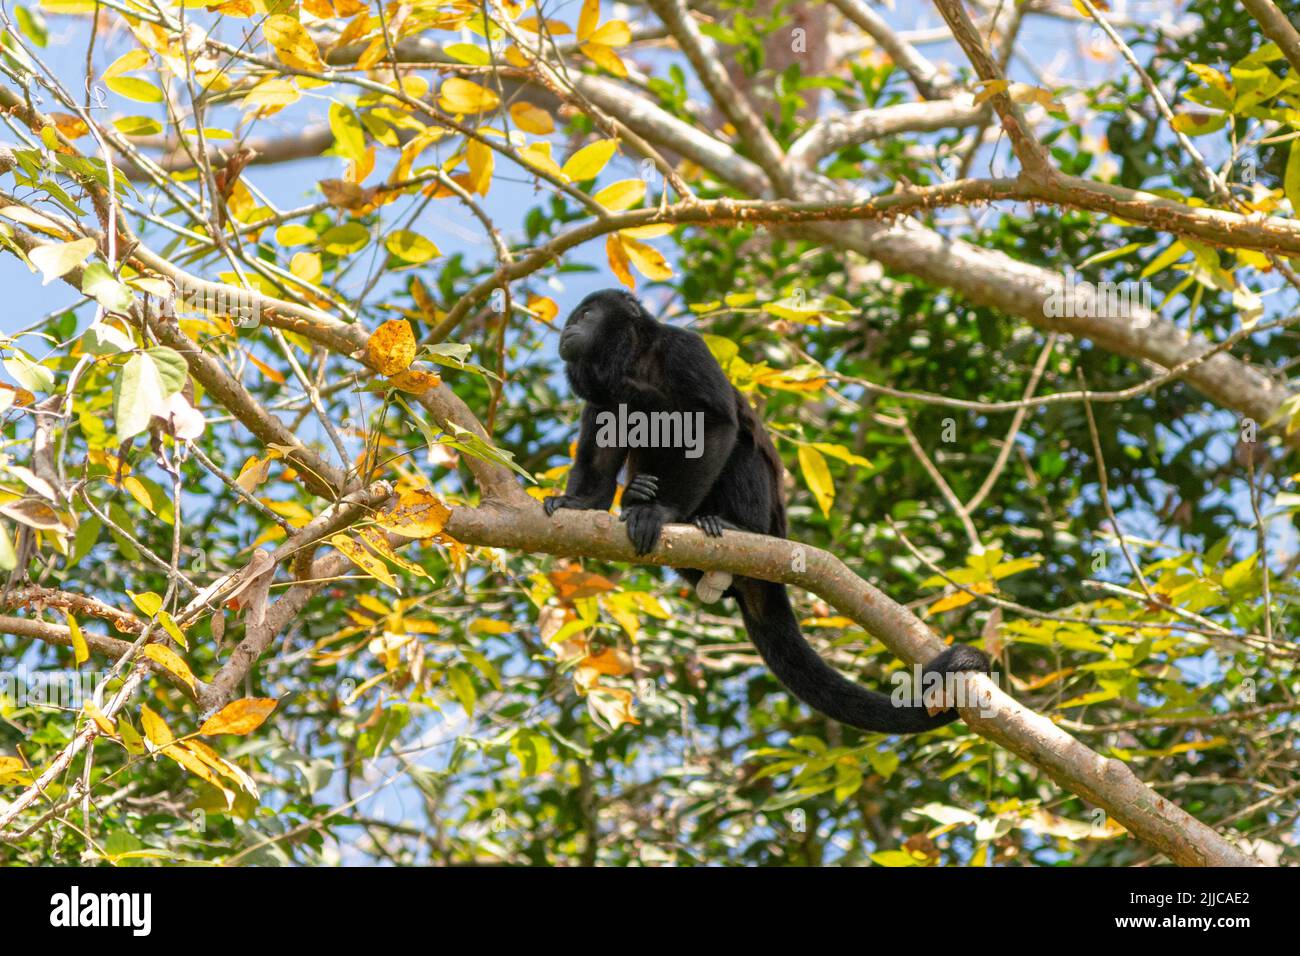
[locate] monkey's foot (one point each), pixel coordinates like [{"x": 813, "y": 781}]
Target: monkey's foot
[
  {"x": 712, "y": 586},
  {"x": 641, "y": 490},
  {"x": 555, "y": 502},
  {"x": 955, "y": 660},
  {"x": 644, "y": 523},
  {"x": 711, "y": 525}
]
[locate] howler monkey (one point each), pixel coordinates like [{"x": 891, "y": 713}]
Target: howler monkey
[{"x": 617, "y": 354}]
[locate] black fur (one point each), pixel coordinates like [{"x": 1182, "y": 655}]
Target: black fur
[{"x": 617, "y": 353}]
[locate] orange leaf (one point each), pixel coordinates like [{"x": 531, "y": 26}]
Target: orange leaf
[
  {"x": 239, "y": 716},
  {"x": 391, "y": 348}
]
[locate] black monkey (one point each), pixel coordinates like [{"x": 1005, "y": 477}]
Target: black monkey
[{"x": 616, "y": 353}]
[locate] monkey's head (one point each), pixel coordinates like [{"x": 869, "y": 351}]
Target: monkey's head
[
  {"x": 602, "y": 339},
  {"x": 603, "y": 322}
]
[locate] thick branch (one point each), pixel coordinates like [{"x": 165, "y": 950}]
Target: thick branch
[
  {"x": 925, "y": 77},
  {"x": 1106, "y": 782},
  {"x": 861, "y": 126},
  {"x": 1277, "y": 28}
]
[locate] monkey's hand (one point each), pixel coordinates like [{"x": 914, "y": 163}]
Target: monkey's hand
[
  {"x": 644, "y": 522},
  {"x": 641, "y": 490},
  {"x": 566, "y": 501},
  {"x": 712, "y": 525},
  {"x": 955, "y": 660}
]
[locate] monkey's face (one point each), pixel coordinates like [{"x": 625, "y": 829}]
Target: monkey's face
[{"x": 600, "y": 324}]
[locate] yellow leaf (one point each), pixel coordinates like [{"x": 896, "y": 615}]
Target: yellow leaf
[
  {"x": 587, "y": 162},
  {"x": 155, "y": 728},
  {"x": 621, "y": 195},
  {"x": 271, "y": 96},
  {"x": 377, "y": 541},
  {"x": 604, "y": 56},
  {"x": 531, "y": 119},
  {"x": 293, "y": 45},
  {"x": 415, "y": 381},
  {"x": 306, "y": 266},
  {"x": 391, "y": 348},
  {"x": 376, "y": 51},
  {"x": 170, "y": 626},
  {"x": 170, "y": 661},
  {"x": 543, "y": 308},
  {"x": 242, "y": 9},
  {"x": 417, "y": 514},
  {"x": 363, "y": 559},
  {"x": 611, "y": 33},
  {"x": 273, "y": 374},
  {"x": 295, "y": 235},
  {"x": 14, "y": 773},
  {"x": 538, "y": 155},
  {"x": 618, "y": 262},
  {"x": 818, "y": 477},
  {"x": 220, "y": 764},
  {"x": 239, "y": 716},
  {"x": 133, "y": 59},
  {"x": 462, "y": 96},
  {"x": 101, "y": 720},
  {"x": 653, "y": 231},
  {"x": 253, "y": 473},
  {"x": 191, "y": 762},
  {"x": 481, "y": 163},
  {"x": 80, "y": 652},
  {"x": 588, "y": 17},
  {"x": 611, "y": 706},
  {"x": 989, "y": 89},
  {"x": 648, "y": 260}
]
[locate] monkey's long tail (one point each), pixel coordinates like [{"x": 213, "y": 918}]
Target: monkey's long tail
[{"x": 774, "y": 629}]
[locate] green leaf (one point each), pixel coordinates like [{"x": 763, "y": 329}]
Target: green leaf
[
  {"x": 463, "y": 687},
  {"x": 104, "y": 339},
  {"x": 894, "y": 858},
  {"x": 134, "y": 88},
  {"x": 345, "y": 238},
  {"x": 1291, "y": 179},
  {"x": 169, "y": 625},
  {"x": 8, "y": 557},
  {"x": 59, "y": 258},
  {"x": 32, "y": 24},
  {"x": 99, "y": 282},
  {"x": 172, "y": 368},
  {"x": 139, "y": 395},
  {"x": 28, "y": 374},
  {"x": 1109, "y": 254},
  {"x": 349, "y": 137},
  {"x": 138, "y": 126},
  {"x": 411, "y": 246},
  {"x": 468, "y": 53},
  {"x": 85, "y": 538}
]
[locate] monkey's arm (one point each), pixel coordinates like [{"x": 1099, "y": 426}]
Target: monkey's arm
[
  {"x": 594, "y": 477},
  {"x": 697, "y": 384}
]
